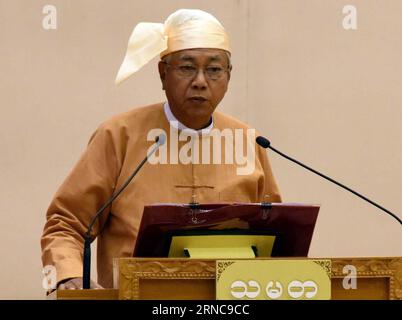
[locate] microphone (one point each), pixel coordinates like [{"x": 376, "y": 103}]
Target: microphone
[
  {"x": 265, "y": 143},
  {"x": 86, "y": 273}
]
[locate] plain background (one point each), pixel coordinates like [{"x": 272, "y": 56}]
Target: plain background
[{"x": 328, "y": 96}]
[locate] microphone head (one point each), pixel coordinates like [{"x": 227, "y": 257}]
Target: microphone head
[
  {"x": 263, "y": 142},
  {"x": 160, "y": 140}
]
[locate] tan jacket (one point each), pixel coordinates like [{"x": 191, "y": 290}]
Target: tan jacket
[{"x": 114, "y": 151}]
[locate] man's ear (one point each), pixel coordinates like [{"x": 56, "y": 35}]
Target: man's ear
[
  {"x": 230, "y": 72},
  {"x": 162, "y": 73}
]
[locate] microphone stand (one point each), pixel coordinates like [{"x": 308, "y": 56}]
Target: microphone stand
[
  {"x": 86, "y": 272},
  {"x": 265, "y": 143}
]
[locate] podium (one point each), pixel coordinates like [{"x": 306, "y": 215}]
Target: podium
[
  {"x": 153, "y": 274},
  {"x": 378, "y": 278}
]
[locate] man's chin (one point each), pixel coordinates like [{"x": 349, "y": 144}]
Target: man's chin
[
  {"x": 199, "y": 106},
  {"x": 196, "y": 113}
]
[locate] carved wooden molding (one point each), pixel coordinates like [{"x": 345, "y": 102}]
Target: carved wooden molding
[
  {"x": 132, "y": 270},
  {"x": 326, "y": 265},
  {"x": 389, "y": 268},
  {"x": 221, "y": 267}
]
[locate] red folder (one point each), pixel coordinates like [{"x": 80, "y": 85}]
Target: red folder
[{"x": 291, "y": 223}]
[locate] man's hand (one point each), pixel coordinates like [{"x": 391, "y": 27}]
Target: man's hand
[{"x": 76, "y": 283}]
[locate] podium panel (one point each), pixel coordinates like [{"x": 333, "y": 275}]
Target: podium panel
[
  {"x": 148, "y": 278},
  {"x": 189, "y": 279}
]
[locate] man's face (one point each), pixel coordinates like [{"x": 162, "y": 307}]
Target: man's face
[{"x": 195, "y": 81}]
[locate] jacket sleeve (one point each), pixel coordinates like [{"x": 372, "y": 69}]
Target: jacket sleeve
[{"x": 87, "y": 187}]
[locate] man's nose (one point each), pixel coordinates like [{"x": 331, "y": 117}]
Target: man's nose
[{"x": 199, "y": 80}]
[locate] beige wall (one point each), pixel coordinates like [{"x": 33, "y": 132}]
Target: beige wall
[{"x": 327, "y": 96}]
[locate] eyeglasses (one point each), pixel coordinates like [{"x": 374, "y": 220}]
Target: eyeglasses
[{"x": 190, "y": 71}]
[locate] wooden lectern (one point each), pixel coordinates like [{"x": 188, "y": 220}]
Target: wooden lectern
[
  {"x": 189, "y": 279},
  {"x": 146, "y": 277}
]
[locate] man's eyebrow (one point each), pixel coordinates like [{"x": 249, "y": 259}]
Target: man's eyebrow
[
  {"x": 215, "y": 58},
  {"x": 192, "y": 59},
  {"x": 186, "y": 58}
]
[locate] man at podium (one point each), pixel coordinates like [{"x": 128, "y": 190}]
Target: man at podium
[{"x": 195, "y": 70}]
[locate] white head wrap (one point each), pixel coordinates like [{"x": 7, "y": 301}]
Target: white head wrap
[{"x": 183, "y": 29}]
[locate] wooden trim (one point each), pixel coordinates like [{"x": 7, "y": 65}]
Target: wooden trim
[
  {"x": 175, "y": 279},
  {"x": 91, "y": 294}
]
